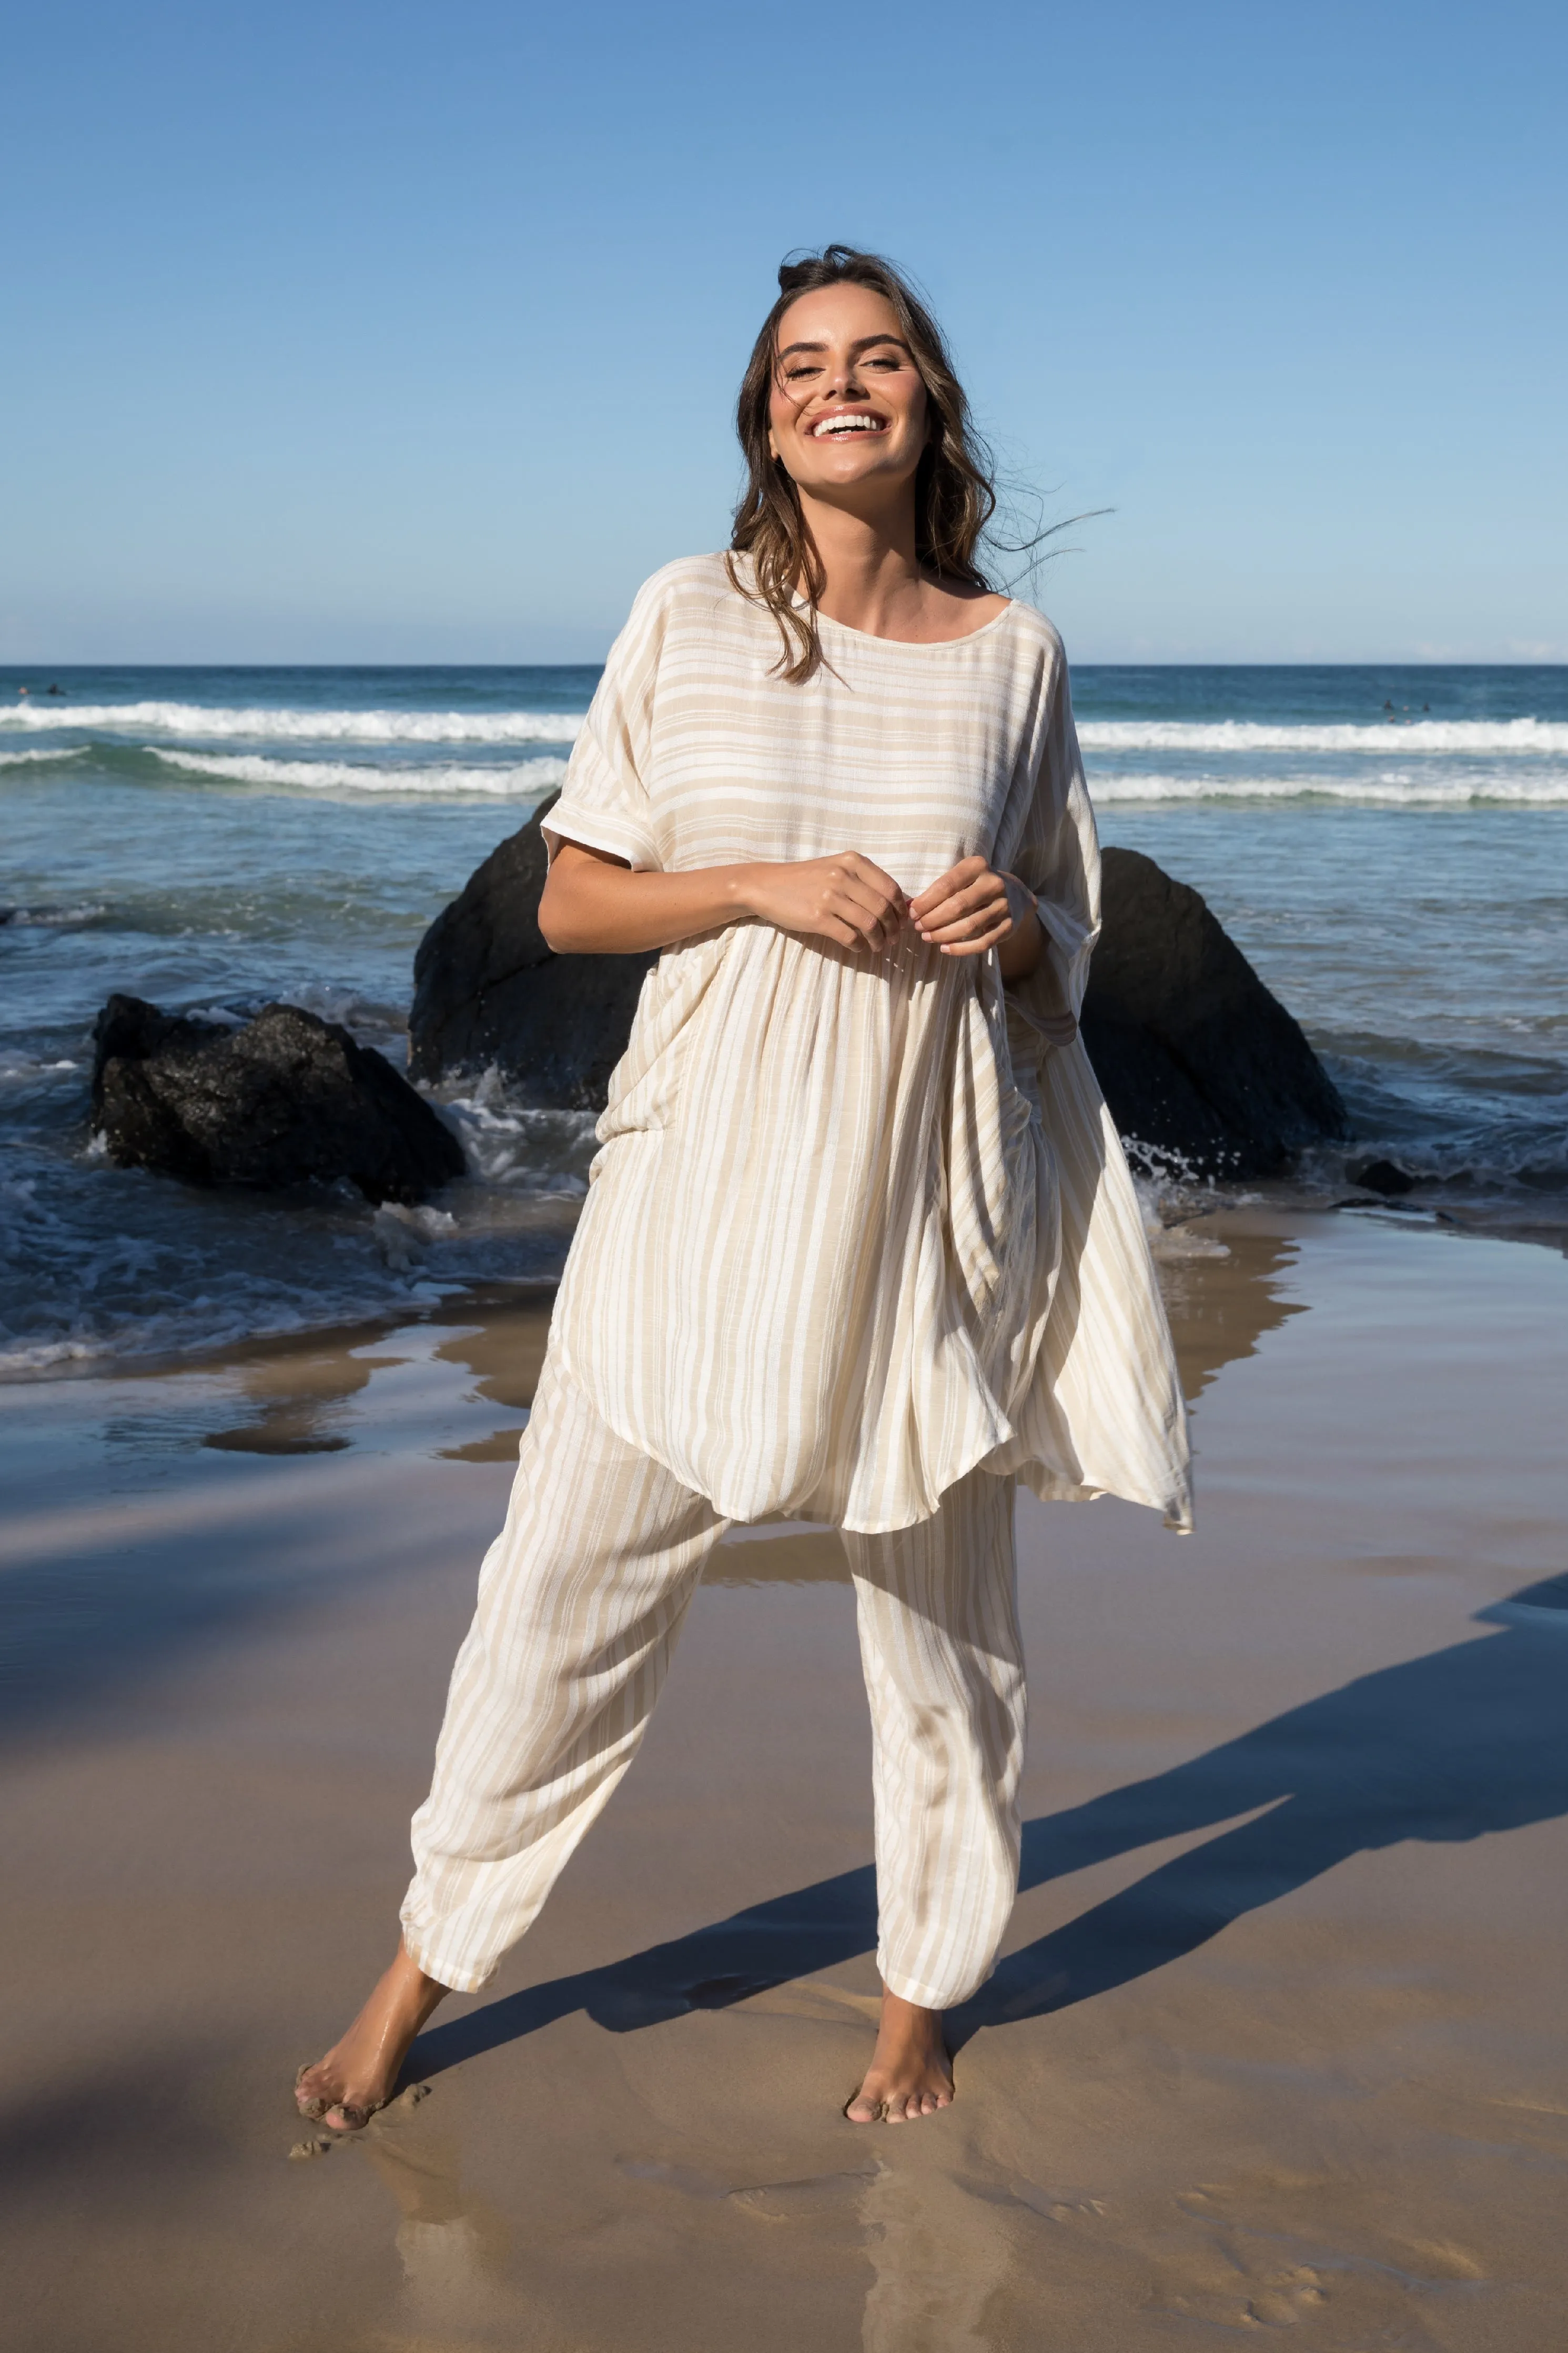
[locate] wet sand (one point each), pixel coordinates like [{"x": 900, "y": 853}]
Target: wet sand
[{"x": 1278, "y": 2037}]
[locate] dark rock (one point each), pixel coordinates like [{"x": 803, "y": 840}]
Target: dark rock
[
  {"x": 285, "y": 1099},
  {"x": 1385, "y": 1176},
  {"x": 488, "y": 992},
  {"x": 1202, "y": 1067},
  {"x": 1200, "y": 1064}
]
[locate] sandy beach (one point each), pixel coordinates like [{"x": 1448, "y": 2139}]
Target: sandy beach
[{"x": 1278, "y": 2037}]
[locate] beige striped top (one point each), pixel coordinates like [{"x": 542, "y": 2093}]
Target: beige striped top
[{"x": 858, "y": 1223}]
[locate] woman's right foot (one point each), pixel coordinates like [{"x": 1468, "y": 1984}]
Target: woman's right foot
[{"x": 359, "y": 2073}]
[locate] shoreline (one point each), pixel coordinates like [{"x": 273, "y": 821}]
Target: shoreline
[
  {"x": 1186, "y": 1211},
  {"x": 1276, "y": 2037}
]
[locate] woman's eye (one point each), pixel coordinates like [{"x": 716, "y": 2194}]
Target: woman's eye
[{"x": 792, "y": 374}]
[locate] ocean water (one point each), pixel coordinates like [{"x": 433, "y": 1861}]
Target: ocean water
[{"x": 1390, "y": 846}]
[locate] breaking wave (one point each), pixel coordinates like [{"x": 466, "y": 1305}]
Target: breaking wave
[
  {"x": 258, "y": 724},
  {"x": 1386, "y": 791},
  {"x": 530, "y": 780},
  {"x": 1527, "y": 737}
]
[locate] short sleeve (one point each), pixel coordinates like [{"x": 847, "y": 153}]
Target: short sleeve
[
  {"x": 603, "y": 801},
  {"x": 1059, "y": 859}
]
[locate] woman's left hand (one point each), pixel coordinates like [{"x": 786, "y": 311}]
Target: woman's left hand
[{"x": 970, "y": 908}]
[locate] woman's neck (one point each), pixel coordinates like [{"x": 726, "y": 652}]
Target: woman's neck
[{"x": 873, "y": 580}]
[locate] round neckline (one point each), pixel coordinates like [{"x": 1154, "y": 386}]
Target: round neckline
[{"x": 919, "y": 645}]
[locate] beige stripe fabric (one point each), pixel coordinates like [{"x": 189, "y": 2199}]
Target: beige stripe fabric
[
  {"x": 580, "y": 1599},
  {"x": 943, "y": 1661},
  {"x": 851, "y": 1232}
]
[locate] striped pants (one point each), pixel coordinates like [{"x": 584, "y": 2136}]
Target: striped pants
[{"x": 581, "y": 1598}]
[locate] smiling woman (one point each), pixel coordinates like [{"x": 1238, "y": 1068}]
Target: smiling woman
[
  {"x": 860, "y": 1245},
  {"x": 892, "y": 381}
]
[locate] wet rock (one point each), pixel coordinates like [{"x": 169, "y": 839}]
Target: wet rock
[
  {"x": 281, "y": 1100},
  {"x": 489, "y": 992},
  {"x": 1202, "y": 1068},
  {"x": 1385, "y": 1176}
]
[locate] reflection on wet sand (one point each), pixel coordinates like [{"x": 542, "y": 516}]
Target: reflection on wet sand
[
  {"x": 507, "y": 1352},
  {"x": 297, "y": 1392},
  {"x": 1222, "y": 1303},
  {"x": 301, "y": 1394},
  {"x": 453, "y": 2246}
]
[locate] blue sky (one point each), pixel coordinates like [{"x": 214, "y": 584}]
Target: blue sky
[{"x": 394, "y": 333}]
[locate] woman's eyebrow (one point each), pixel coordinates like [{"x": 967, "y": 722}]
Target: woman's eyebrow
[{"x": 861, "y": 343}]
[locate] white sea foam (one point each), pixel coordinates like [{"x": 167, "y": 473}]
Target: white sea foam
[
  {"x": 529, "y": 780},
  {"x": 1418, "y": 792},
  {"x": 259, "y": 724},
  {"x": 28, "y": 759},
  {"x": 50, "y": 919},
  {"x": 1529, "y": 737}
]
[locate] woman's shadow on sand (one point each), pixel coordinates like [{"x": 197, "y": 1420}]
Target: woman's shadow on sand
[{"x": 1465, "y": 1741}]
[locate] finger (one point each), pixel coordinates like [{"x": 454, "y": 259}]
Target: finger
[
  {"x": 967, "y": 906},
  {"x": 869, "y": 889},
  {"x": 967, "y": 927},
  {"x": 990, "y": 890},
  {"x": 857, "y": 903},
  {"x": 852, "y": 925},
  {"x": 967, "y": 871},
  {"x": 866, "y": 870},
  {"x": 978, "y": 945}
]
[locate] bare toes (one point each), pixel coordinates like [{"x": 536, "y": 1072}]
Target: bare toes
[{"x": 308, "y": 2103}]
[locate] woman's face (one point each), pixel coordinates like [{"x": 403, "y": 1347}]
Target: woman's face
[{"x": 848, "y": 406}]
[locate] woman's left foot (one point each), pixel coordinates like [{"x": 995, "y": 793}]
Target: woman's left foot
[
  {"x": 911, "y": 2075},
  {"x": 359, "y": 2073}
]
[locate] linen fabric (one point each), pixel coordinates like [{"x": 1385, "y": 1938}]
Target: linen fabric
[
  {"x": 858, "y": 1223},
  {"x": 581, "y": 1598}
]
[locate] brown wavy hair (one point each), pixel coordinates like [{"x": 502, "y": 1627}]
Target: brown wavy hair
[{"x": 955, "y": 489}]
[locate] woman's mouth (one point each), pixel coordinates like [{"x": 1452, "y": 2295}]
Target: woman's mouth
[{"x": 847, "y": 421}]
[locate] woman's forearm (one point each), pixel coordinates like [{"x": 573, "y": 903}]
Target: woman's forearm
[
  {"x": 592, "y": 905},
  {"x": 1020, "y": 953}
]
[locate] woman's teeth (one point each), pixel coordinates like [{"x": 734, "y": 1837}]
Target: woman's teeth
[{"x": 845, "y": 425}]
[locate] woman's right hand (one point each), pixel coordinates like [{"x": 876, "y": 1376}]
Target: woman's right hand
[{"x": 846, "y": 898}]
